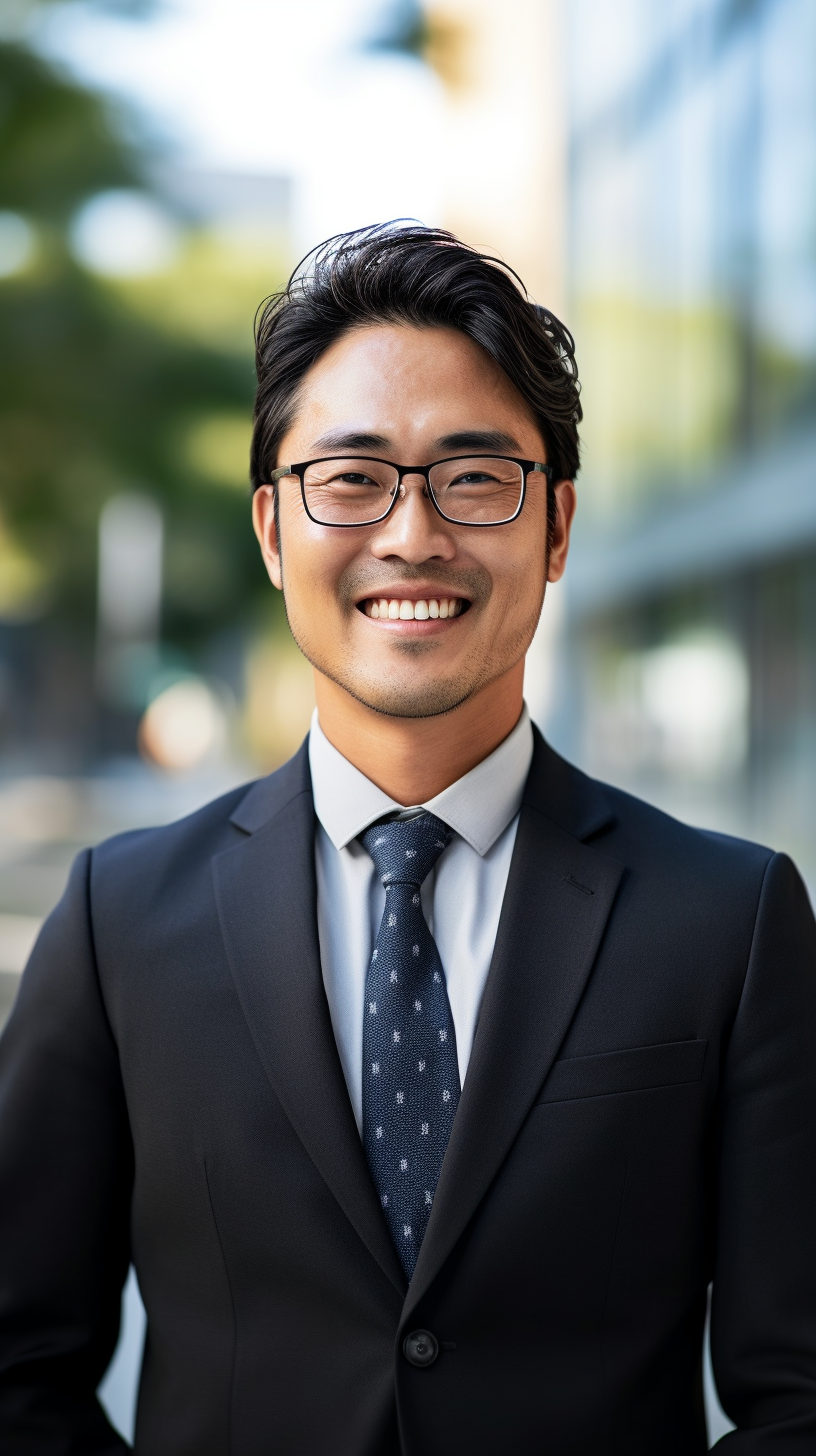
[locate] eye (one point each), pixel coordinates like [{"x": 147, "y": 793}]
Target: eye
[
  {"x": 474, "y": 477},
  {"x": 352, "y": 477}
]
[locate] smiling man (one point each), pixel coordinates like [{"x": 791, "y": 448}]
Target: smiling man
[{"x": 427, "y": 1083}]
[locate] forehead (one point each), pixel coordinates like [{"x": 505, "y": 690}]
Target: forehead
[{"x": 396, "y": 376}]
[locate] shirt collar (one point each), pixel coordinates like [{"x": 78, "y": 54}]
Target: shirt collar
[{"x": 479, "y": 806}]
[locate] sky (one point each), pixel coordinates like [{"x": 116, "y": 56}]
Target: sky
[
  {"x": 272, "y": 87},
  {"x": 289, "y": 87}
]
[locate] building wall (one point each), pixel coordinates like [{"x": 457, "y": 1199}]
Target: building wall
[{"x": 691, "y": 627}]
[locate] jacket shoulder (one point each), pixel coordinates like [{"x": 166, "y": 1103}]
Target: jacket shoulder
[
  {"x": 200, "y": 830},
  {"x": 635, "y": 832},
  {"x": 686, "y": 880},
  {"x": 216, "y": 826},
  {"x": 655, "y": 830}
]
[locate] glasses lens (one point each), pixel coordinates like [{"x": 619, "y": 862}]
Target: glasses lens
[
  {"x": 483, "y": 491},
  {"x": 348, "y": 491}
]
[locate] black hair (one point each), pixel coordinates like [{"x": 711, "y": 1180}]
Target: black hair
[{"x": 404, "y": 273}]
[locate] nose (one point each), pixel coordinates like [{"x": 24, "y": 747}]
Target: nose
[{"x": 414, "y": 531}]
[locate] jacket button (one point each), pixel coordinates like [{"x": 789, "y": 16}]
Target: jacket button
[{"x": 420, "y": 1348}]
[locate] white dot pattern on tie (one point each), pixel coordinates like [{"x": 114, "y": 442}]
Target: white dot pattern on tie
[{"x": 410, "y": 1102}]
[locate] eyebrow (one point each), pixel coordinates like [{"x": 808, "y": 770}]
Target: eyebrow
[
  {"x": 489, "y": 440},
  {"x": 350, "y": 440}
]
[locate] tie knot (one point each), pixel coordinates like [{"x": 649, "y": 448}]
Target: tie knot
[{"x": 405, "y": 851}]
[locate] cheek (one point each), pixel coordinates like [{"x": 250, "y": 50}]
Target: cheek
[
  {"x": 518, "y": 578},
  {"x": 313, "y": 565}
]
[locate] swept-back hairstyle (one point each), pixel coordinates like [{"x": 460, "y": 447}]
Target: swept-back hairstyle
[{"x": 397, "y": 273}]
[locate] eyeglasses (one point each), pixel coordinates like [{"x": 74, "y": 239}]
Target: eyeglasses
[{"x": 468, "y": 490}]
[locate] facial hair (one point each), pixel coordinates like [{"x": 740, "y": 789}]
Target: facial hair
[{"x": 435, "y": 696}]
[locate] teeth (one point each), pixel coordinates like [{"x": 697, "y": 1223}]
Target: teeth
[{"x": 398, "y": 609}]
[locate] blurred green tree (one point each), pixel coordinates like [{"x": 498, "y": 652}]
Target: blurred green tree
[{"x": 94, "y": 396}]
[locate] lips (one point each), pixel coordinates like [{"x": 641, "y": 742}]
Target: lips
[{"x": 405, "y": 609}]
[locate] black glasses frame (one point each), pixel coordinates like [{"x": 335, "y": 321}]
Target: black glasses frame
[{"x": 528, "y": 467}]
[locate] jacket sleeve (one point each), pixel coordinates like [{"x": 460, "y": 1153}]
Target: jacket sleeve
[
  {"x": 763, "y": 1320},
  {"x": 66, "y": 1172}
]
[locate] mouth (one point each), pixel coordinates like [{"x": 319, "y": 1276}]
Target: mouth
[{"x": 409, "y": 609}]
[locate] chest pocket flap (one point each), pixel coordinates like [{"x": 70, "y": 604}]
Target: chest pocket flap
[{"x": 636, "y": 1069}]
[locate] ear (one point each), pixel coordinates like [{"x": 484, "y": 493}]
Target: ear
[
  {"x": 565, "y": 501},
  {"x": 265, "y": 526}
]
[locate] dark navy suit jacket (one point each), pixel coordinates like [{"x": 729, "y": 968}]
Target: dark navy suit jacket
[{"x": 638, "y": 1120}]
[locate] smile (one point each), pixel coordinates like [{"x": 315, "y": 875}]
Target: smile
[{"x": 404, "y": 610}]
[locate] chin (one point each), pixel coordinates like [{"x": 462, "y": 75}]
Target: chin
[
  {"x": 412, "y": 705},
  {"x": 385, "y": 689},
  {"x": 408, "y": 700}
]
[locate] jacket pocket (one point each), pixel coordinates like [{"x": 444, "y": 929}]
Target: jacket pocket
[{"x": 637, "y": 1069}]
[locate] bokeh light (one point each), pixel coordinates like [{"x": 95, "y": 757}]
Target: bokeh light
[
  {"x": 123, "y": 235},
  {"x": 183, "y": 726}
]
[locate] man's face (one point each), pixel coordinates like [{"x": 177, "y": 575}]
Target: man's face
[{"x": 411, "y": 395}]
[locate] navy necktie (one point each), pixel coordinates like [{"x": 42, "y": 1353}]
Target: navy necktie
[{"x": 410, "y": 1070}]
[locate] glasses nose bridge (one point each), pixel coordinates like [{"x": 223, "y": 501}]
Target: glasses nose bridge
[{"x": 421, "y": 470}]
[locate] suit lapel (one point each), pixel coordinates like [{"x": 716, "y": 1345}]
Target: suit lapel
[
  {"x": 266, "y": 895},
  {"x": 559, "y": 894}
]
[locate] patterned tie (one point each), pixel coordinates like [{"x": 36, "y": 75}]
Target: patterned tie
[{"x": 410, "y": 1070}]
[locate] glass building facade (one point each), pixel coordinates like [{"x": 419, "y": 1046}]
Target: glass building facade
[{"x": 690, "y": 642}]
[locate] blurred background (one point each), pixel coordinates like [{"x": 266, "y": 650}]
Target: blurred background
[{"x": 650, "y": 170}]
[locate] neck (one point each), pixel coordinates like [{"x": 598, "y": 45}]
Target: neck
[{"x": 413, "y": 759}]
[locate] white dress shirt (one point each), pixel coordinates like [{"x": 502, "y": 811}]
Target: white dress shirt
[{"x": 461, "y": 898}]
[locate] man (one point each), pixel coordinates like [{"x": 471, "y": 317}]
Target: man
[{"x": 427, "y": 1083}]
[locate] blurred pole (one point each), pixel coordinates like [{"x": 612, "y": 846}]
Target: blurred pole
[
  {"x": 129, "y": 599},
  {"x": 743, "y": 260},
  {"x": 502, "y": 67}
]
